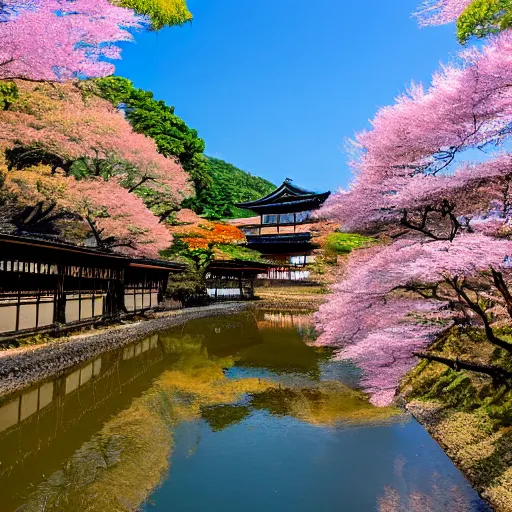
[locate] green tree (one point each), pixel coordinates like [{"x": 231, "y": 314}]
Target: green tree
[
  {"x": 161, "y": 12},
  {"x": 484, "y": 17},
  {"x": 230, "y": 185},
  {"x": 218, "y": 184},
  {"x": 199, "y": 246}
]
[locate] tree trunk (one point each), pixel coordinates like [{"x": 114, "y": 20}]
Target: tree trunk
[
  {"x": 502, "y": 287},
  {"x": 489, "y": 333},
  {"x": 455, "y": 364}
]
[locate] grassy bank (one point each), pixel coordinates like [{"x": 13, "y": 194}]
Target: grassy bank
[
  {"x": 468, "y": 413},
  {"x": 293, "y": 297}
]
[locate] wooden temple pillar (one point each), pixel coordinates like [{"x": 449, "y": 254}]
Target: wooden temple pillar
[
  {"x": 120, "y": 293},
  {"x": 59, "y": 303},
  {"x": 162, "y": 287},
  {"x": 241, "y": 286},
  {"x": 114, "y": 298},
  {"x": 251, "y": 288}
]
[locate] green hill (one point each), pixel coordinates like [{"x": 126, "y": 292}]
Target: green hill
[{"x": 229, "y": 185}]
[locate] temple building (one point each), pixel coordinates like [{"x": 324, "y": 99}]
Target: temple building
[{"x": 282, "y": 230}]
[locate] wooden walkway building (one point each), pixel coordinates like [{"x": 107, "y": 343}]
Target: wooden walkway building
[
  {"x": 233, "y": 279},
  {"x": 46, "y": 285}
]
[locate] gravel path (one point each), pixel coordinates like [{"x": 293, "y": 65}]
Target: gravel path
[{"x": 25, "y": 366}]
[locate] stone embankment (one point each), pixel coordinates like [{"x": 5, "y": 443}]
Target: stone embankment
[{"x": 25, "y": 366}]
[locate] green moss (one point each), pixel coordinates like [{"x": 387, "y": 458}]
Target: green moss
[
  {"x": 501, "y": 414},
  {"x": 344, "y": 243},
  {"x": 238, "y": 252},
  {"x": 489, "y": 469},
  {"x": 462, "y": 390},
  {"x": 8, "y": 94}
]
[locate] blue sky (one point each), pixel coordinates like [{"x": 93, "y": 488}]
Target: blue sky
[{"x": 276, "y": 87}]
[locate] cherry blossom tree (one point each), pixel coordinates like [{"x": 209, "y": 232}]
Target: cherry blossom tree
[
  {"x": 445, "y": 222},
  {"x": 58, "y": 40},
  {"x": 398, "y": 297},
  {"x": 425, "y": 133},
  {"x": 439, "y": 12},
  {"x": 29, "y": 200},
  {"x": 59, "y": 126},
  {"x": 118, "y": 220},
  {"x": 74, "y": 209}
]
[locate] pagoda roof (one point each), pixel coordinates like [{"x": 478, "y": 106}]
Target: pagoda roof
[
  {"x": 285, "y": 243},
  {"x": 288, "y": 198}
]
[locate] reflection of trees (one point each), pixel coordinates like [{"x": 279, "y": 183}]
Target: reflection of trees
[
  {"x": 230, "y": 336},
  {"x": 120, "y": 465},
  {"x": 283, "y": 351},
  {"x": 220, "y": 417},
  {"x": 434, "y": 493},
  {"x": 328, "y": 404},
  {"x": 222, "y": 336}
]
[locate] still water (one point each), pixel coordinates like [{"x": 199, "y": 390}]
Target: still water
[{"x": 223, "y": 414}]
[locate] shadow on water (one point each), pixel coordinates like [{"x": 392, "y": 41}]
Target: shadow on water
[{"x": 240, "y": 404}]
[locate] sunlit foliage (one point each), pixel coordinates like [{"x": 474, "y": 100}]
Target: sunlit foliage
[
  {"x": 484, "y": 17},
  {"x": 344, "y": 243},
  {"x": 161, "y": 12},
  {"x": 475, "y": 18}
]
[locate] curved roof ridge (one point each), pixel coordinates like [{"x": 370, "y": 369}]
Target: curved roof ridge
[{"x": 285, "y": 190}]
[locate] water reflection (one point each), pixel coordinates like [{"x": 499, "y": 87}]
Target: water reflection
[
  {"x": 102, "y": 437},
  {"x": 438, "y": 497}
]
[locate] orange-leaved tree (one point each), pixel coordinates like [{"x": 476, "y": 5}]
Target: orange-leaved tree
[{"x": 200, "y": 243}]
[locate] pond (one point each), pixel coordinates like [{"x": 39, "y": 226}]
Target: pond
[{"x": 229, "y": 413}]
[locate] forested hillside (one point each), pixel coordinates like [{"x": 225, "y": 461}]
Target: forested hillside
[{"x": 229, "y": 185}]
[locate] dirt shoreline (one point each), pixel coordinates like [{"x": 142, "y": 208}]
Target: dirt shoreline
[{"x": 25, "y": 366}]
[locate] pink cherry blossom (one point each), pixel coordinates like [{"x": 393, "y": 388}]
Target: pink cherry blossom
[
  {"x": 61, "y": 122},
  {"x": 439, "y": 12},
  {"x": 374, "y": 318},
  {"x": 469, "y": 105},
  {"x": 58, "y": 40},
  {"x": 115, "y": 214}
]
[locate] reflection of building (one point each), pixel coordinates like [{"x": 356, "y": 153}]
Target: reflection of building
[
  {"x": 42, "y": 426},
  {"x": 282, "y": 320},
  {"x": 282, "y": 232},
  {"x": 37, "y": 398}
]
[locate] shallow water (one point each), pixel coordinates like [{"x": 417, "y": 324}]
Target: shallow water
[{"x": 230, "y": 413}]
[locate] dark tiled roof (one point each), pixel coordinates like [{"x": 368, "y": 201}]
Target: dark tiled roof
[{"x": 286, "y": 198}]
